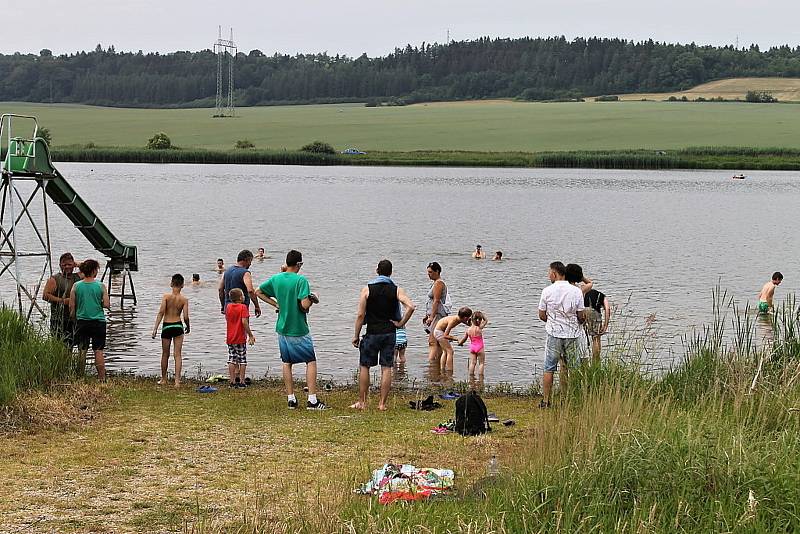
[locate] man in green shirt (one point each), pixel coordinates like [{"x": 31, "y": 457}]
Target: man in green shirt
[{"x": 289, "y": 293}]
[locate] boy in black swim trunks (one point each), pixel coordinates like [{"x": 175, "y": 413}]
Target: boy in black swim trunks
[{"x": 173, "y": 305}]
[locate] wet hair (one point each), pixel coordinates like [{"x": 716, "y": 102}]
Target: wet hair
[
  {"x": 89, "y": 266},
  {"x": 261, "y": 249},
  {"x": 385, "y": 268},
  {"x": 244, "y": 255},
  {"x": 777, "y": 275},
  {"x": 573, "y": 273},
  {"x": 435, "y": 267},
  {"x": 478, "y": 317},
  {"x": 177, "y": 280},
  {"x": 293, "y": 257},
  {"x": 464, "y": 313},
  {"x": 477, "y": 246},
  {"x": 195, "y": 277},
  {"x": 220, "y": 259},
  {"x": 558, "y": 267},
  {"x": 236, "y": 295},
  {"x": 66, "y": 256},
  {"x": 499, "y": 253}
]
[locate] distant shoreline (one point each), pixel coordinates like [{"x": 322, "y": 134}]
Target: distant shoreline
[{"x": 719, "y": 158}]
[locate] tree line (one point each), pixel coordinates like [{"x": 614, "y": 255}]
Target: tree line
[{"x": 526, "y": 68}]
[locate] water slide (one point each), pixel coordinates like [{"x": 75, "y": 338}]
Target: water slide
[{"x": 25, "y": 158}]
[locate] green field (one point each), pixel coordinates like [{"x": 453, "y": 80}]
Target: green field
[{"x": 475, "y": 126}]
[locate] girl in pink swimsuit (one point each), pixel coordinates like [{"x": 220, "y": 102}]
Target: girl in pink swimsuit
[{"x": 477, "y": 354}]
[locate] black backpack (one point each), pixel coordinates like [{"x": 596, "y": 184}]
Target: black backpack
[{"x": 471, "y": 415}]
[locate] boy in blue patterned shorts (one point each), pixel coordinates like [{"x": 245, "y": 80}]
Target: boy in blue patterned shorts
[
  {"x": 291, "y": 295},
  {"x": 237, "y": 317}
]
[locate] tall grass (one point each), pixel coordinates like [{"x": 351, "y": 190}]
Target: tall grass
[
  {"x": 689, "y": 158},
  {"x": 711, "y": 445},
  {"x": 28, "y": 358}
]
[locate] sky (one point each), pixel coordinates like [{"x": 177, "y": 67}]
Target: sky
[{"x": 354, "y": 27}]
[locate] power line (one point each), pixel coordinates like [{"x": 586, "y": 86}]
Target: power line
[{"x": 224, "y": 106}]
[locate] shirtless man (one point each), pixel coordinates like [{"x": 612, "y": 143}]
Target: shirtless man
[
  {"x": 767, "y": 292},
  {"x": 173, "y": 306},
  {"x": 220, "y": 268},
  {"x": 479, "y": 254},
  {"x": 260, "y": 255},
  {"x": 442, "y": 335}
]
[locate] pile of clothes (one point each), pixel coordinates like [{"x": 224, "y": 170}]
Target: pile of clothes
[{"x": 407, "y": 483}]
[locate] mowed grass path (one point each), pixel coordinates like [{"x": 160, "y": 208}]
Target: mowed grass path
[
  {"x": 478, "y": 126},
  {"x": 159, "y": 460}
]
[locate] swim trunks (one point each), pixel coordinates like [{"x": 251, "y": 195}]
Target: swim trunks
[
  {"x": 237, "y": 353},
  {"x": 763, "y": 306},
  {"x": 172, "y": 330},
  {"x": 438, "y": 334},
  {"x": 377, "y": 348},
  {"x": 296, "y": 349},
  {"x": 89, "y": 330}
]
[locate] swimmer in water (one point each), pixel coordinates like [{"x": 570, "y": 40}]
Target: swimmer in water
[
  {"x": 260, "y": 255},
  {"x": 196, "y": 279},
  {"x": 767, "y": 293},
  {"x": 479, "y": 254},
  {"x": 220, "y": 267},
  {"x": 173, "y": 305},
  {"x": 498, "y": 256}
]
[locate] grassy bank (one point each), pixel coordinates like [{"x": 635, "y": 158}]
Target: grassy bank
[
  {"x": 689, "y": 158},
  {"x": 711, "y": 446},
  {"x": 28, "y": 358}
]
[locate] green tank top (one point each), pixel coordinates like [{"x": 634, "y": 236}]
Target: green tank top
[{"x": 89, "y": 301}]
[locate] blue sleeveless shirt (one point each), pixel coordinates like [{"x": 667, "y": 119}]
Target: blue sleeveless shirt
[{"x": 234, "y": 277}]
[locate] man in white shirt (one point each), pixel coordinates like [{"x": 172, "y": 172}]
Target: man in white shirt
[{"x": 561, "y": 308}]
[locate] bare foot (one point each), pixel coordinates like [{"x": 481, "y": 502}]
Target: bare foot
[
  {"x": 358, "y": 405},
  {"x": 162, "y": 381},
  {"x": 382, "y": 407},
  {"x": 177, "y": 383}
]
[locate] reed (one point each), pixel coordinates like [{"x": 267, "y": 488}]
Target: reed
[
  {"x": 29, "y": 359},
  {"x": 733, "y": 158}
]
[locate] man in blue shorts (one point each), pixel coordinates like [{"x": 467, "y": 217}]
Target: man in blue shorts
[
  {"x": 561, "y": 308},
  {"x": 379, "y": 307},
  {"x": 291, "y": 295}
]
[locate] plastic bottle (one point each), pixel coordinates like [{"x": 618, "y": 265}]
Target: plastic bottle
[{"x": 493, "y": 469}]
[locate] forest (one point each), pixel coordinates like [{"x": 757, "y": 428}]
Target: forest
[{"x": 528, "y": 69}]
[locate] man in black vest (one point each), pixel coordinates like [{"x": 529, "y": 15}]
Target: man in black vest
[{"x": 379, "y": 307}]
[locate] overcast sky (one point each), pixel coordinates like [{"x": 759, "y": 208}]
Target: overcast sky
[{"x": 353, "y": 27}]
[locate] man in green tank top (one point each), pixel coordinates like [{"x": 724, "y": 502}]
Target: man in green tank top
[
  {"x": 86, "y": 303},
  {"x": 56, "y": 292}
]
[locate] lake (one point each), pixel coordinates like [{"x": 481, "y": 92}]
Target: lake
[{"x": 657, "y": 243}]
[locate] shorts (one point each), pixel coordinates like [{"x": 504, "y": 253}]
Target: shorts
[
  {"x": 172, "y": 330},
  {"x": 557, "y": 349},
  {"x": 401, "y": 346},
  {"x": 594, "y": 322},
  {"x": 438, "y": 335},
  {"x": 237, "y": 353},
  {"x": 763, "y": 306},
  {"x": 94, "y": 331},
  {"x": 296, "y": 349},
  {"x": 377, "y": 348}
]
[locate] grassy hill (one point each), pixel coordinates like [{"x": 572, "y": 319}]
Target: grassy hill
[
  {"x": 477, "y": 126},
  {"x": 784, "y": 89}
]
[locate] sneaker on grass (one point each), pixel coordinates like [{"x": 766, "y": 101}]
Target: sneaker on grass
[
  {"x": 319, "y": 405},
  {"x": 292, "y": 404}
]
